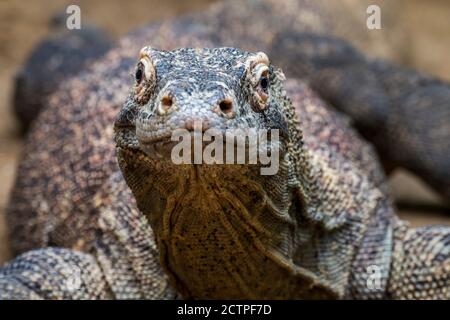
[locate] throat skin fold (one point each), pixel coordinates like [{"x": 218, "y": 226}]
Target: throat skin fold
[{"x": 222, "y": 235}]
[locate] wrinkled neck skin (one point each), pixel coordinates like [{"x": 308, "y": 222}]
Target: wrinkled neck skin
[{"x": 225, "y": 231}]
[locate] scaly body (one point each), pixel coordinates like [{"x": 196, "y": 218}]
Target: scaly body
[{"x": 343, "y": 225}]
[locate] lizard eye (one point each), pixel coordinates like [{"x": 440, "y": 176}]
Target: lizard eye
[
  {"x": 145, "y": 77},
  {"x": 264, "y": 82},
  {"x": 261, "y": 87},
  {"x": 139, "y": 73},
  {"x": 145, "y": 70},
  {"x": 259, "y": 76}
]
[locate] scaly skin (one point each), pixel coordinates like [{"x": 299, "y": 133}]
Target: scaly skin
[
  {"x": 402, "y": 112},
  {"x": 58, "y": 57},
  {"x": 225, "y": 231},
  {"x": 82, "y": 203},
  {"x": 308, "y": 232}
]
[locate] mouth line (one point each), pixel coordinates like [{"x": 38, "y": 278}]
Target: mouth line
[
  {"x": 150, "y": 141},
  {"x": 119, "y": 126},
  {"x": 167, "y": 137}
]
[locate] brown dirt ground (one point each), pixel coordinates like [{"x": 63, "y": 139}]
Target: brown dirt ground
[{"x": 24, "y": 23}]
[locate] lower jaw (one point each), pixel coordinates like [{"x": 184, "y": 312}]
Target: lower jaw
[{"x": 159, "y": 150}]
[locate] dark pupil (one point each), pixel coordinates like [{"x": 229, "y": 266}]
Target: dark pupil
[
  {"x": 139, "y": 75},
  {"x": 264, "y": 83}
]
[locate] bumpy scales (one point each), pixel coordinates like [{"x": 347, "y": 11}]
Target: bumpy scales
[
  {"x": 225, "y": 231},
  {"x": 322, "y": 227}
]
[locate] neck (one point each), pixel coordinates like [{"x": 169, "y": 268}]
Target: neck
[{"x": 227, "y": 232}]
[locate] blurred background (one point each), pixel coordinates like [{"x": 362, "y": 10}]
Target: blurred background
[{"x": 425, "y": 24}]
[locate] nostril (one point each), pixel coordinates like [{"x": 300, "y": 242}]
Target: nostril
[
  {"x": 166, "y": 102},
  {"x": 226, "y": 106}
]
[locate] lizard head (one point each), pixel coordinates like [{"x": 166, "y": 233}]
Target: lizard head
[
  {"x": 220, "y": 91},
  {"x": 209, "y": 217}
]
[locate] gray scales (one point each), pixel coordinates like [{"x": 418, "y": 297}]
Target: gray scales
[
  {"x": 311, "y": 231},
  {"x": 63, "y": 54}
]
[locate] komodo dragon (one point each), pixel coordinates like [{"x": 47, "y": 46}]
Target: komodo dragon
[
  {"x": 301, "y": 37},
  {"x": 315, "y": 230}
]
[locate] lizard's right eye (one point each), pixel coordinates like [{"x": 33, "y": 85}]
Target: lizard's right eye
[
  {"x": 145, "y": 70},
  {"x": 145, "y": 76},
  {"x": 139, "y": 73}
]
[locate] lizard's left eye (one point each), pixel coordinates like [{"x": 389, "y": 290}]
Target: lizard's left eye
[
  {"x": 259, "y": 78},
  {"x": 261, "y": 93}
]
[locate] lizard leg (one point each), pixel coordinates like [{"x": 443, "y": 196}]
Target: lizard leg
[
  {"x": 421, "y": 263},
  {"x": 122, "y": 263},
  {"x": 53, "y": 273}
]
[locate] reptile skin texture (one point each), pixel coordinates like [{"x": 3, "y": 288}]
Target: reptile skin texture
[
  {"x": 59, "y": 56},
  {"x": 93, "y": 215}
]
